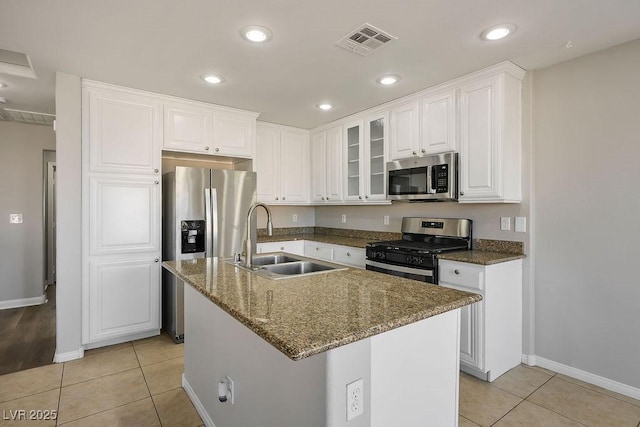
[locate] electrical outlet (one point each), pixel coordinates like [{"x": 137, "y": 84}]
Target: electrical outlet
[
  {"x": 344, "y": 218},
  {"x": 385, "y": 220},
  {"x": 15, "y": 218},
  {"x": 295, "y": 218},
  {"x": 521, "y": 224},
  {"x": 505, "y": 223},
  {"x": 355, "y": 399}
]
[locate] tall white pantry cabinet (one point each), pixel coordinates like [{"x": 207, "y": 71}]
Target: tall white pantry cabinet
[{"x": 121, "y": 176}]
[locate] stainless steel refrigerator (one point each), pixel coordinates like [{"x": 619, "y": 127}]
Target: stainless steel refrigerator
[{"x": 204, "y": 215}]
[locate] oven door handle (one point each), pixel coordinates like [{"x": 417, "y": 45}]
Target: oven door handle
[{"x": 401, "y": 269}]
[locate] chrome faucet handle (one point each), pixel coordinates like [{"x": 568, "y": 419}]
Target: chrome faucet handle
[{"x": 236, "y": 257}]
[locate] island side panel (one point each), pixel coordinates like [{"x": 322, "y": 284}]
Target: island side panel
[
  {"x": 270, "y": 388},
  {"x": 415, "y": 373}
]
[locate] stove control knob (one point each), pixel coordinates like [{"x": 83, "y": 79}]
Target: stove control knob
[{"x": 382, "y": 255}]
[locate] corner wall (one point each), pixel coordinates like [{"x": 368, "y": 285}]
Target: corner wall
[
  {"x": 21, "y": 191},
  {"x": 587, "y": 151}
]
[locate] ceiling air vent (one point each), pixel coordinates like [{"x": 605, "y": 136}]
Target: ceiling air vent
[
  {"x": 28, "y": 117},
  {"x": 15, "y": 64},
  {"x": 365, "y": 39}
]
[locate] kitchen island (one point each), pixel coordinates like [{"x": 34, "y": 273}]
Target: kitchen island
[{"x": 291, "y": 347}]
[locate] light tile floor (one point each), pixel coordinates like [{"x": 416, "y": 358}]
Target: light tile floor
[
  {"x": 132, "y": 384},
  {"x": 139, "y": 384},
  {"x": 533, "y": 396}
]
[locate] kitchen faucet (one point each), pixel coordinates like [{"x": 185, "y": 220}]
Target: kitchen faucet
[{"x": 248, "y": 251}]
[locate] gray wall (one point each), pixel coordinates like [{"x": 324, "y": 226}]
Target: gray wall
[
  {"x": 21, "y": 190},
  {"x": 69, "y": 186},
  {"x": 587, "y": 209}
]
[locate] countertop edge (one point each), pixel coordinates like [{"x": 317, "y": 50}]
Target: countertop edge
[{"x": 299, "y": 354}]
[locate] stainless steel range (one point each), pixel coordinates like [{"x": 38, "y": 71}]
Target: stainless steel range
[{"x": 415, "y": 256}]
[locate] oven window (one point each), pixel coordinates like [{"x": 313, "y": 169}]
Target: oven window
[
  {"x": 421, "y": 278},
  {"x": 408, "y": 181}
]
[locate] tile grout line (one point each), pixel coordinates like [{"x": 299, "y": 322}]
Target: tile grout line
[
  {"x": 153, "y": 402},
  {"x": 60, "y": 394},
  {"x": 548, "y": 409}
]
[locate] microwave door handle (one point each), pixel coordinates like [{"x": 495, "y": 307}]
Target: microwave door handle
[{"x": 430, "y": 189}]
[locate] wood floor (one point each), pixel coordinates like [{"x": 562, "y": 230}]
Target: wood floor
[{"x": 29, "y": 335}]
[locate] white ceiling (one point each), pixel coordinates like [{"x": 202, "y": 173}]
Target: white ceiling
[{"x": 165, "y": 45}]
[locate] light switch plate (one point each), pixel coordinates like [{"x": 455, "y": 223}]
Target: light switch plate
[
  {"x": 15, "y": 218},
  {"x": 521, "y": 224},
  {"x": 505, "y": 223}
]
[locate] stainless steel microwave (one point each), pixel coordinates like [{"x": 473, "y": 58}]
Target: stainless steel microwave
[{"x": 424, "y": 179}]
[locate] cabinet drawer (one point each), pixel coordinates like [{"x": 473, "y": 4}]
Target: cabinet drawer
[
  {"x": 350, "y": 256},
  {"x": 461, "y": 274},
  {"x": 318, "y": 250},
  {"x": 292, "y": 247}
]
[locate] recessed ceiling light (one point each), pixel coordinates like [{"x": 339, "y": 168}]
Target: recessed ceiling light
[
  {"x": 325, "y": 107},
  {"x": 498, "y": 32},
  {"x": 388, "y": 80},
  {"x": 212, "y": 78},
  {"x": 256, "y": 34}
]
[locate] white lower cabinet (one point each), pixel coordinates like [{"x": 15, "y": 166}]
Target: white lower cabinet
[
  {"x": 491, "y": 329},
  {"x": 321, "y": 251},
  {"x": 348, "y": 255},
  {"x": 293, "y": 247},
  {"x": 124, "y": 298}
]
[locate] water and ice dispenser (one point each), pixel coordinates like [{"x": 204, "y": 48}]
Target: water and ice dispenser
[{"x": 193, "y": 236}]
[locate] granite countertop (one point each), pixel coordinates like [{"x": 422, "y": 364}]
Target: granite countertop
[
  {"x": 322, "y": 238},
  {"x": 480, "y": 257},
  {"x": 303, "y": 316}
]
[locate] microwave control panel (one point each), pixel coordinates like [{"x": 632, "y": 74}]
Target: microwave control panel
[{"x": 441, "y": 178}]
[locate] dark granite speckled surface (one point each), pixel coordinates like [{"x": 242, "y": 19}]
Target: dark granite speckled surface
[
  {"x": 488, "y": 252},
  {"x": 336, "y": 236},
  {"x": 313, "y": 314}
]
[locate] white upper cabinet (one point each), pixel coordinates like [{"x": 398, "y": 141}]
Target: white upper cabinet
[
  {"x": 200, "y": 128},
  {"x": 282, "y": 164},
  {"x": 326, "y": 165},
  {"x": 233, "y": 134},
  {"x": 375, "y": 159},
  {"x": 124, "y": 130},
  {"x": 354, "y": 165},
  {"x": 490, "y": 134},
  {"x": 405, "y": 128},
  {"x": 187, "y": 128},
  {"x": 437, "y": 123}
]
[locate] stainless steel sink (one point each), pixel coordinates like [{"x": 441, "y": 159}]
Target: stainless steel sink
[
  {"x": 301, "y": 267},
  {"x": 271, "y": 259},
  {"x": 280, "y": 265}
]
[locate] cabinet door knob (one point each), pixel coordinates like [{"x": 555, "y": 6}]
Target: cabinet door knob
[
  {"x": 462, "y": 193},
  {"x": 415, "y": 153},
  {"x": 156, "y": 182},
  {"x": 360, "y": 197},
  {"x": 456, "y": 271},
  {"x": 282, "y": 248},
  {"x": 323, "y": 198},
  {"x": 277, "y": 198},
  {"x": 327, "y": 198},
  {"x": 423, "y": 151},
  {"x": 317, "y": 248},
  {"x": 217, "y": 149},
  {"x": 348, "y": 253},
  {"x": 206, "y": 148},
  {"x": 156, "y": 170},
  {"x": 156, "y": 260},
  {"x": 366, "y": 197},
  {"x": 282, "y": 197}
]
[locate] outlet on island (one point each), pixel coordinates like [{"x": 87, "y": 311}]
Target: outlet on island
[{"x": 343, "y": 218}]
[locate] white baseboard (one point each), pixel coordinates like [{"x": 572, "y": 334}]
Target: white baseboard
[
  {"x": 68, "y": 356},
  {"x": 618, "y": 387},
  {"x": 119, "y": 340},
  {"x": 206, "y": 419},
  {"x": 22, "y": 302}
]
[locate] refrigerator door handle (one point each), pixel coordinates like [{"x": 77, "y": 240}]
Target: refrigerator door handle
[
  {"x": 208, "y": 223},
  {"x": 214, "y": 223}
]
